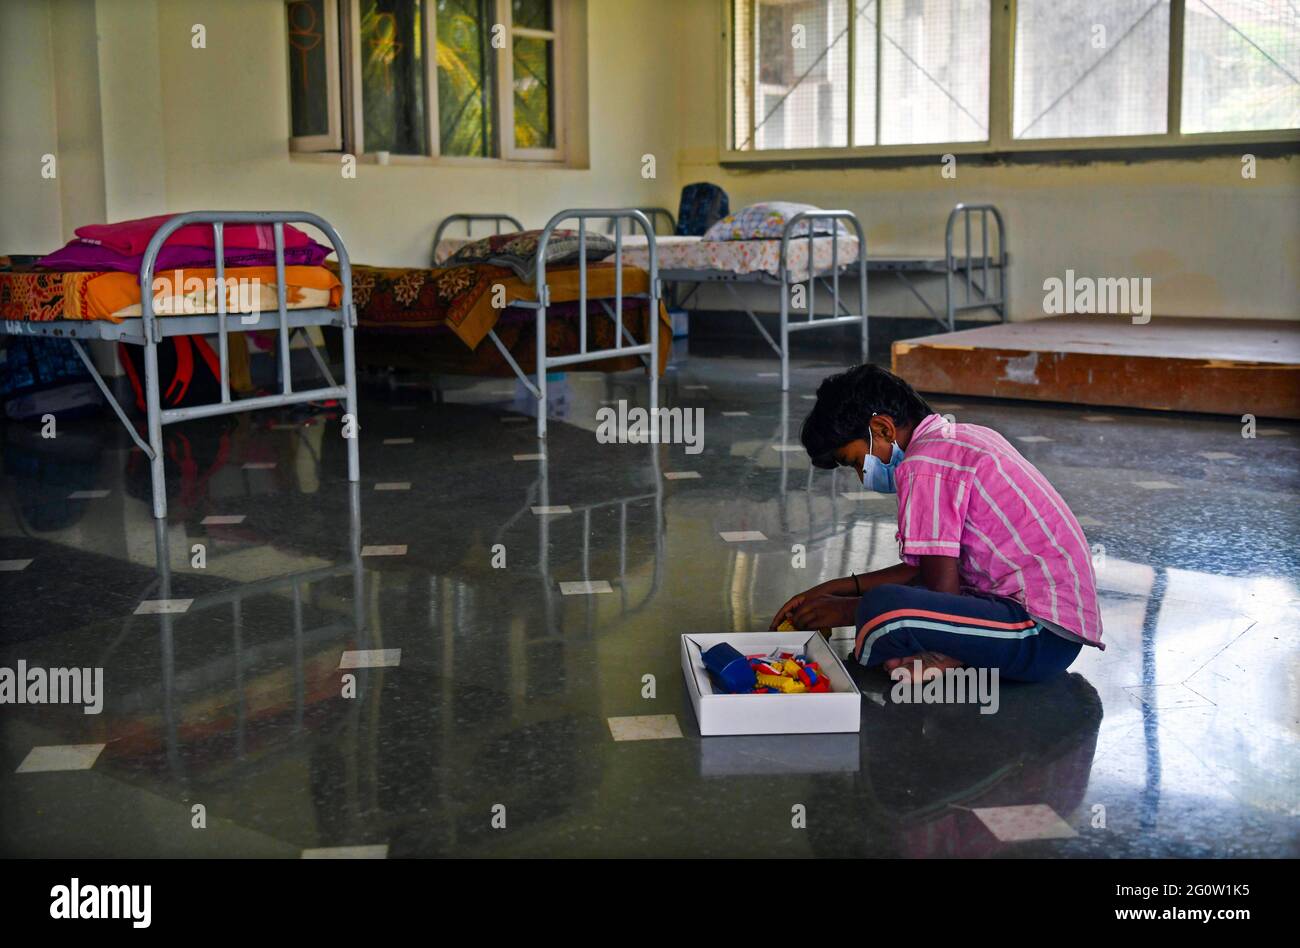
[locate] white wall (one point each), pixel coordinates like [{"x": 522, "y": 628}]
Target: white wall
[{"x": 30, "y": 206}]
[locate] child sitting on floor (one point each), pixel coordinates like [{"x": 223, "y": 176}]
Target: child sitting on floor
[{"x": 996, "y": 571}]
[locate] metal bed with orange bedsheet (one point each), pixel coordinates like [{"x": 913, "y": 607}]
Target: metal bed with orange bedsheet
[{"x": 148, "y": 328}]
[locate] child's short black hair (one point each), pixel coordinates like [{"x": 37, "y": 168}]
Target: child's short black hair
[{"x": 845, "y": 404}]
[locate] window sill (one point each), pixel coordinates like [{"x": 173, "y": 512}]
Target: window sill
[
  {"x": 1262, "y": 145},
  {"x": 417, "y": 161}
]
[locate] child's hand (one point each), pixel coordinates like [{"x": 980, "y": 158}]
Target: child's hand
[
  {"x": 787, "y": 611},
  {"x": 825, "y": 612}
]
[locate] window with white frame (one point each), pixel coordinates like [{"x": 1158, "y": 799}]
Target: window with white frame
[
  {"x": 891, "y": 76},
  {"x": 439, "y": 78}
]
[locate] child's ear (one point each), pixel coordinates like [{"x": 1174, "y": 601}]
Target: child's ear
[{"x": 883, "y": 427}]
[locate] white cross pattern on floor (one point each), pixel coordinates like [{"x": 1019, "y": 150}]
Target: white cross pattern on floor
[
  {"x": 809, "y": 398},
  {"x": 14, "y": 566},
  {"x": 645, "y": 727},
  {"x": 787, "y": 448},
  {"x": 1216, "y": 455},
  {"x": 371, "y": 658},
  {"x": 393, "y": 485},
  {"x": 88, "y": 495},
  {"x": 559, "y": 509},
  {"x": 865, "y": 495},
  {"x": 379, "y": 851},
  {"x": 768, "y": 375},
  {"x": 391, "y": 549},
  {"x": 741, "y": 536},
  {"x": 159, "y": 607},
  {"x": 57, "y": 757},
  {"x": 222, "y": 520},
  {"x": 681, "y": 475},
  {"x": 1156, "y": 485},
  {"x": 1086, "y": 521},
  {"x": 399, "y": 441},
  {"x": 530, "y": 457},
  {"x": 586, "y": 588},
  {"x": 1015, "y": 824},
  {"x": 259, "y": 466},
  {"x": 1032, "y": 439}
]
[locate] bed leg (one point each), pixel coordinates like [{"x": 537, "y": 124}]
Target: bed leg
[
  {"x": 350, "y": 383},
  {"x": 785, "y": 332},
  {"x": 153, "y": 414},
  {"x": 541, "y": 372}
]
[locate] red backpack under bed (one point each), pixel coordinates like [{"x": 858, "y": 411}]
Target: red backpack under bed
[{"x": 189, "y": 372}]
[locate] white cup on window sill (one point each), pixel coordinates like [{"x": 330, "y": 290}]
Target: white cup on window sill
[{"x": 381, "y": 157}]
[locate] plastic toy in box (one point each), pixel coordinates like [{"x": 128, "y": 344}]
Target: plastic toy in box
[{"x": 777, "y": 672}]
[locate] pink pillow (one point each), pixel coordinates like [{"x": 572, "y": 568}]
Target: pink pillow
[{"x": 131, "y": 237}]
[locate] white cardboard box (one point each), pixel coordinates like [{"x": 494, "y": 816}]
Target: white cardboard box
[{"x": 836, "y": 711}]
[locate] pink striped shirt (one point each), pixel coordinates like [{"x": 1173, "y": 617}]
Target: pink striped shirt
[{"x": 963, "y": 491}]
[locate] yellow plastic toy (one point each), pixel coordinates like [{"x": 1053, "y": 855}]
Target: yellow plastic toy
[
  {"x": 788, "y": 626},
  {"x": 789, "y": 686}
]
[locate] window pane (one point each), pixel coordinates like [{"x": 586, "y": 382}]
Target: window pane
[
  {"x": 533, "y": 71},
  {"x": 465, "y": 78},
  {"x": 393, "y": 77},
  {"x": 743, "y": 67},
  {"x": 803, "y": 58},
  {"x": 1241, "y": 61},
  {"x": 308, "y": 96},
  {"x": 934, "y": 71},
  {"x": 864, "y": 67},
  {"x": 533, "y": 14},
  {"x": 1086, "y": 68}
]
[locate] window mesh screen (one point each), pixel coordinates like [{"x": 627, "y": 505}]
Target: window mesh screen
[
  {"x": 1241, "y": 60},
  {"x": 1088, "y": 68},
  {"x": 797, "y": 64},
  {"x": 866, "y": 18},
  {"x": 934, "y": 71}
]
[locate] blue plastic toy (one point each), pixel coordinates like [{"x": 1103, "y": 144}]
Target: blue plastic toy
[{"x": 729, "y": 669}]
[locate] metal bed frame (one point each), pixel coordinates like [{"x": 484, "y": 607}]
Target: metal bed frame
[
  {"x": 960, "y": 295},
  {"x": 647, "y": 351},
  {"x": 978, "y": 294},
  {"x": 727, "y": 278},
  {"x": 148, "y": 330},
  {"x": 840, "y": 314}
]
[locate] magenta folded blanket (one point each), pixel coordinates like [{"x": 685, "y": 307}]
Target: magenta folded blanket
[
  {"x": 81, "y": 255},
  {"x": 131, "y": 237}
]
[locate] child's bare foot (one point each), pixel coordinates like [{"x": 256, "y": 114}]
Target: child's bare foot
[{"x": 932, "y": 665}]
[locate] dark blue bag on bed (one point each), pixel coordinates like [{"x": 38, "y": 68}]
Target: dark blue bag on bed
[{"x": 702, "y": 206}]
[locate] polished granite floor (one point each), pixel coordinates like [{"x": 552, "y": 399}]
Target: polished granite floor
[{"x": 490, "y": 692}]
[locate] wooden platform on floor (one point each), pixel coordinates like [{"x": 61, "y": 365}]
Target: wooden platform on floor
[{"x": 1221, "y": 366}]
